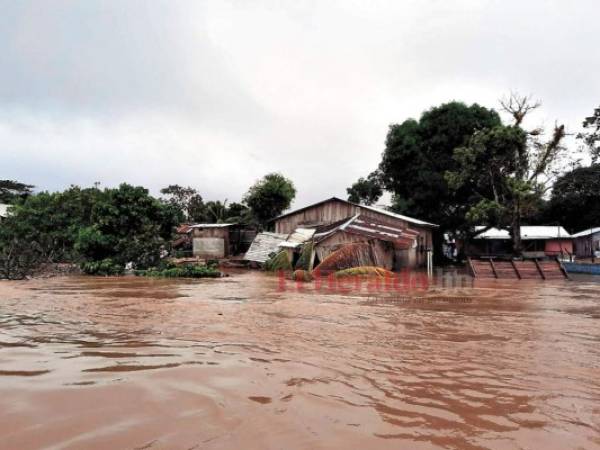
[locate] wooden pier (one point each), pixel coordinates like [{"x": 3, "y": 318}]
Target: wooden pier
[{"x": 527, "y": 269}]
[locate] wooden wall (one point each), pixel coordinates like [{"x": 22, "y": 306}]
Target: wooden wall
[
  {"x": 325, "y": 213},
  {"x": 335, "y": 210}
]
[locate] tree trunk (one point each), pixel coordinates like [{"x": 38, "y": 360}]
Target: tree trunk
[{"x": 515, "y": 231}]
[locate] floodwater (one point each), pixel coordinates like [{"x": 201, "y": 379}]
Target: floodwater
[{"x": 134, "y": 363}]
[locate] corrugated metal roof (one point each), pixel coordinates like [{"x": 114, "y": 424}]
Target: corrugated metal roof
[
  {"x": 263, "y": 245},
  {"x": 298, "y": 237},
  {"x": 371, "y": 208},
  {"x": 398, "y": 216},
  {"x": 211, "y": 225},
  {"x": 527, "y": 233},
  {"x": 372, "y": 228},
  {"x": 586, "y": 232}
]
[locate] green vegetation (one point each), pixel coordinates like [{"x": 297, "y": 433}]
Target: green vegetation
[
  {"x": 366, "y": 191},
  {"x": 305, "y": 256},
  {"x": 269, "y": 197},
  {"x": 89, "y": 225},
  {"x": 278, "y": 261},
  {"x": 460, "y": 166},
  {"x": 12, "y": 191},
  {"x": 18, "y": 258},
  {"x": 506, "y": 170},
  {"x": 187, "y": 200},
  {"x": 181, "y": 272},
  {"x": 105, "y": 229},
  {"x": 195, "y": 210},
  {"x": 105, "y": 267},
  {"x": 591, "y": 135},
  {"x": 575, "y": 200},
  {"x": 418, "y": 154}
]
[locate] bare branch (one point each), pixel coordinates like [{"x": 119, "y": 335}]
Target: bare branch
[{"x": 519, "y": 106}]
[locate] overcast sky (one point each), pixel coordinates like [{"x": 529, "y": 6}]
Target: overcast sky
[{"x": 215, "y": 94}]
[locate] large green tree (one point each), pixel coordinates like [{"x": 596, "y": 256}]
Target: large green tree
[
  {"x": 187, "y": 200},
  {"x": 505, "y": 170},
  {"x": 575, "y": 200},
  {"x": 269, "y": 197},
  {"x": 419, "y": 152}
]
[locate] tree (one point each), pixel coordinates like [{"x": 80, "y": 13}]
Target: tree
[
  {"x": 366, "y": 190},
  {"x": 127, "y": 225},
  {"x": 52, "y": 220},
  {"x": 239, "y": 213},
  {"x": 187, "y": 200},
  {"x": 575, "y": 200},
  {"x": 269, "y": 197},
  {"x": 11, "y": 191},
  {"x": 417, "y": 155},
  {"x": 507, "y": 170},
  {"x": 216, "y": 211},
  {"x": 122, "y": 224},
  {"x": 18, "y": 258},
  {"x": 591, "y": 137}
]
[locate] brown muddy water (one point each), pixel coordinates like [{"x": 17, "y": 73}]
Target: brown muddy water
[{"x": 133, "y": 363}]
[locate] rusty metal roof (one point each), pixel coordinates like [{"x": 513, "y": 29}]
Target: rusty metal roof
[{"x": 372, "y": 228}]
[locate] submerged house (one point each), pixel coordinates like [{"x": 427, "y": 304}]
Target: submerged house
[
  {"x": 587, "y": 243},
  {"x": 213, "y": 240},
  {"x": 394, "y": 240},
  {"x": 537, "y": 241}
]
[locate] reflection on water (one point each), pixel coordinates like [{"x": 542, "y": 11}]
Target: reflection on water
[{"x": 130, "y": 363}]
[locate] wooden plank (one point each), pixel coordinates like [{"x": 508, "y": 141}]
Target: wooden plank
[
  {"x": 473, "y": 272},
  {"x": 516, "y": 270},
  {"x": 539, "y": 268},
  {"x": 493, "y": 268},
  {"x": 562, "y": 269}
]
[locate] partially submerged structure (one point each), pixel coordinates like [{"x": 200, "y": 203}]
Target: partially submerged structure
[
  {"x": 392, "y": 241},
  {"x": 537, "y": 241},
  {"x": 213, "y": 240},
  {"x": 587, "y": 243},
  {"x": 263, "y": 246}
]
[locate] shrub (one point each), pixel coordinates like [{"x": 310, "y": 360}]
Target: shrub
[
  {"x": 105, "y": 267},
  {"x": 181, "y": 272},
  {"x": 19, "y": 258},
  {"x": 278, "y": 261}
]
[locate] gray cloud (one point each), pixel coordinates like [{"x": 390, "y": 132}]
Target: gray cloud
[{"x": 215, "y": 94}]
